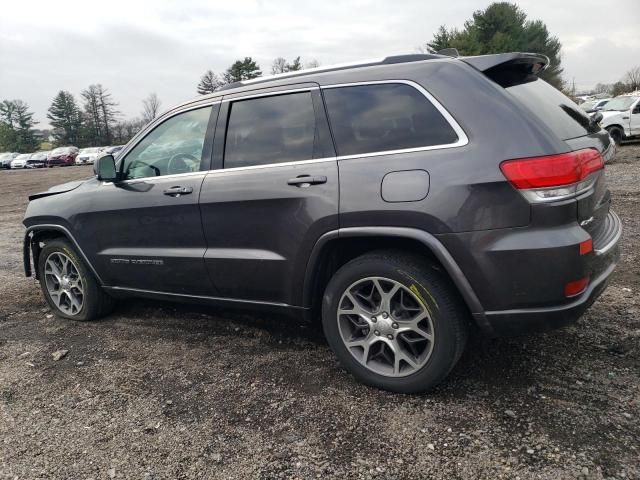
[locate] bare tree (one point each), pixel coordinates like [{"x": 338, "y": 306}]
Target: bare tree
[
  {"x": 602, "y": 88},
  {"x": 279, "y": 65},
  {"x": 150, "y": 107},
  {"x": 632, "y": 79},
  {"x": 313, "y": 63}
]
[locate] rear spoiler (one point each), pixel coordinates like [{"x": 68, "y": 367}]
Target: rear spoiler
[{"x": 509, "y": 68}]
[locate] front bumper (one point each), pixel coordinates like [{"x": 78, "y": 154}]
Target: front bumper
[{"x": 520, "y": 321}]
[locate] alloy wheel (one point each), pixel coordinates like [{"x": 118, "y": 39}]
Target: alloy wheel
[
  {"x": 385, "y": 326},
  {"x": 64, "y": 284}
]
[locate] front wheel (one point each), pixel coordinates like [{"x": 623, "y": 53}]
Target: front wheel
[
  {"x": 394, "y": 321},
  {"x": 616, "y": 134},
  {"x": 69, "y": 287}
]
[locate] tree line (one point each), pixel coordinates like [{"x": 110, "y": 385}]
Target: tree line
[
  {"x": 91, "y": 122},
  {"x": 630, "y": 82}
]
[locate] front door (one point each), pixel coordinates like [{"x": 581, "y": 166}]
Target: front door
[
  {"x": 634, "y": 121},
  {"x": 147, "y": 228},
  {"x": 275, "y": 195}
]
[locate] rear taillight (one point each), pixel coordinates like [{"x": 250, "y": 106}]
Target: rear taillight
[{"x": 554, "y": 177}]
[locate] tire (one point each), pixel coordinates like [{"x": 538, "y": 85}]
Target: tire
[
  {"x": 616, "y": 134},
  {"x": 420, "y": 290},
  {"x": 71, "y": 278}
]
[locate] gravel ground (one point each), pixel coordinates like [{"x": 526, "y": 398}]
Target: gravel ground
[{"x": 161, "y": 390}]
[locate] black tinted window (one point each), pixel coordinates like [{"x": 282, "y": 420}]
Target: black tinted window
[
  {"x": 375, "y": 118},
  {"x": 554, "y": 108},
  {"x": 270, "y": 130}
]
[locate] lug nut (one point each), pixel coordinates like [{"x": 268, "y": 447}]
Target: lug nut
[
  {"x": 394, "y": 325},
  {"x": 376, "y": 332},
  {"x": 390, "y": 337},
  {"x": 384, "y": 315},
  {"x": 374, "y": 319}
]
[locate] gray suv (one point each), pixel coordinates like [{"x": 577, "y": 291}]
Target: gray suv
[{"x": 406, "y": 202}]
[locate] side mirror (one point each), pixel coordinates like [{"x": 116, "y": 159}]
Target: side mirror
[
  {"x": 105, "y": 169},
  {"x": 596, "y": 118}
]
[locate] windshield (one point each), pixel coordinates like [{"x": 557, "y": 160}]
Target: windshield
[
  {"x": 39, "y": 156},
  {"x": 587, "y": 105},
  {"x": 620, "y": 104},
  {"x": 91, "y": 150},
  {"x": 24, "y": 156}
]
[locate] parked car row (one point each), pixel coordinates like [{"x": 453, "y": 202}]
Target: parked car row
[{"x": 61, "y": 156}]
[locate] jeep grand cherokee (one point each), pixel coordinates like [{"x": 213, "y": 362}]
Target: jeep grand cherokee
[{"x": 402, "y": 201}]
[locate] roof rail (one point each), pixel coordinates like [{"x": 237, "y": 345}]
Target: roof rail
[{"x": 394, "y": 59}]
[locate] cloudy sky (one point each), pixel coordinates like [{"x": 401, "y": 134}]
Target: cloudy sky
[{"x": 136, "y": 47}]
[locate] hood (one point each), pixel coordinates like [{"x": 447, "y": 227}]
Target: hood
[
  {"x": 609, "y": 113},
  {"x": 62, "y": 188}
]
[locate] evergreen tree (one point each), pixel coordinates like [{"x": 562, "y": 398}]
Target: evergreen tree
[
  {"x": 16, "y": 127},
  {"x": 503, "y": 27},
  {"x": 64, "y": 116},
  {"x": 209, "y": 83},
  {"x": 242, "y": 70}
]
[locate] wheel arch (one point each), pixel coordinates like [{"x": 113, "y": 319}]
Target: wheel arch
[
  {"x": 36, "y": 234},
  {"x": 335, "y": 248}
]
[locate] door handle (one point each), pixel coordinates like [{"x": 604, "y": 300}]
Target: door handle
[
  {"x": 307, "y": 180},
  {"x": 177, "y": 191}
]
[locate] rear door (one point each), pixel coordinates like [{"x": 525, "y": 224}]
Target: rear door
[
  {"x": 147, "y": 227},
  {"x": 273, "y": 193}
]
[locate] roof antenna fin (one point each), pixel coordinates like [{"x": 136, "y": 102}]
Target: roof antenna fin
[{"x": 449, "y": 52}]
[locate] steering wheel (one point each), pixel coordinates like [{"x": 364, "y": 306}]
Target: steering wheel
[{"x": 177, "y": 163}]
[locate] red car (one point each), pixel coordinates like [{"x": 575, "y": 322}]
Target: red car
[{"x": 62, "y": 156}]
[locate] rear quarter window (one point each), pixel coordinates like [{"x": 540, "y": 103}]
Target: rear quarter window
[
  {"x": 383, "y": 117},
  {"x": 553, "y": 108}
]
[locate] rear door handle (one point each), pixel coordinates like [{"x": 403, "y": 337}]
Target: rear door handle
[
  {"x": 307, "y": 180},
  {"x": 177, "y": 191}
]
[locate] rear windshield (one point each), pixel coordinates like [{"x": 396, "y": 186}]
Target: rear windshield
[{"x": 554, "y": 108}]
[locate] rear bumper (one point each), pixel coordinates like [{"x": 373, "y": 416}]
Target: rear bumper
[
  {"x": 519, "y": 275},
  {"x": 519, "y": 321}
]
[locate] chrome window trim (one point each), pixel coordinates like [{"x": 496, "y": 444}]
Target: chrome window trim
[
  {"x": 271, "y": 165},
  {"x": 462, "y": 136},
  {"x": 269, "y": 94},
  {"x": 159, "y": 177}
]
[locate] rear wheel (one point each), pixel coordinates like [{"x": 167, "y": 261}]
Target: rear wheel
[
  {"x": 70, "y": 289},
  {"x": 616, "y": 134},
  {"x": 394, "y": 322}
]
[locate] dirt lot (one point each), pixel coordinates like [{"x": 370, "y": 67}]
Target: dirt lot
[{"x": 169, "y": 391}]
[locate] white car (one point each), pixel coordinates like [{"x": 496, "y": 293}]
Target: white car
[
  {"x": 21, "y": 160},
  {"x": 593, "y": 106},
  {"x": 89, "y": 155},
  {"x": 621, "y": 117}
]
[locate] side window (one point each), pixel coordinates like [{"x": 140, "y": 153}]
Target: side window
[
  {"x": 636, "y": 109},
  {"x": 270, "y": 130},
  {"x": 174, "y": 146},
  {"x": 382, "y": 117}
]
